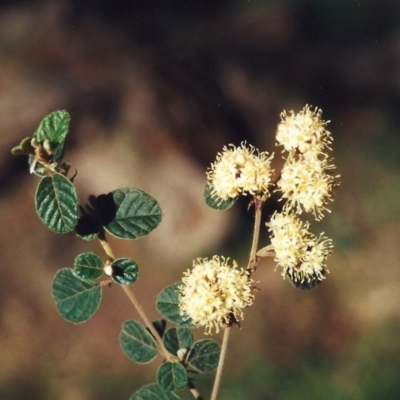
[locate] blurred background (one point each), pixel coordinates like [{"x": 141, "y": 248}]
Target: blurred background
[{"x": 155, "y": 89}]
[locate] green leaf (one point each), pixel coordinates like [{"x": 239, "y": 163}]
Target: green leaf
[
  {"x": 136, "y": 215},
  {"x": 137, "y": 343},
  {"x": 24, "y": 148},
  {"x": 204, "y": 355},
  {"x": 124, "y": 271},
  {"x": 153, "y": 392},
  {"x": 177, "y": 338},
  {"x": 54, "y": 128},
  {"x": 88, "y": 266},
  {"x": 215, "y": 203},
  {"x": 168, "y": 305},
  {"x": 57, "y": 203},
  {"x": 172, "y": 376},
  {"x": 76, "y": 300}
]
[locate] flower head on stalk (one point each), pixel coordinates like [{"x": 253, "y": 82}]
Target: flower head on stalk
[
  {"x": 240, "y": 170},
  {"x": 307, "y": 184},
  {"x": 301, "y": 254},
  {"x": 303, "y": 132},
  {"x": 213, "y": 292},
  {"x": 306, "y": 180}
]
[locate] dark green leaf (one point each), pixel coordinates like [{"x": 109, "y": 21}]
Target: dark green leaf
[
  {"x": 137, "y": 343},
  {"x": 137, "y": 214},
  {"x": 54, "y": 128},
  {"x": 172, "y": 376},
  {"x": 153, "y": 392},
  {"x": 124, "y": 271},
  {"x": 57, "y": 203},
  {"x": 88, "y": 266},
  {"x": 216, "y": 203},
  {"x": 204, "y": 355},
  {"x": 168, "y": 305},
  {"x": 76, "y": 300},
  {"x": 177, "y": 338}
]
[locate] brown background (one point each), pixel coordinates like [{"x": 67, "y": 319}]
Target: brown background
[{"x": 155, "y": 89}]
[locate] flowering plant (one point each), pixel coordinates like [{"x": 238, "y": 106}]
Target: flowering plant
[{"x": 215, "y": 292}]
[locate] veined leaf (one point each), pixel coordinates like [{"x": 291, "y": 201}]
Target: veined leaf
[
  {"x": 76, "y": 300},
  {"x": 136, "y": 215},
  {"x": 57, "y": 203}
]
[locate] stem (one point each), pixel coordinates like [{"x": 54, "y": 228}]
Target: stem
[
  {"x": 196, "y": 394},
  {"x": 258, "y": 203},
  {"x": 106, "y": 247},
  {"x": 256, "y": 234},
  {"x": 136, "y": 303},
  {"x": 221, "y": 362}
]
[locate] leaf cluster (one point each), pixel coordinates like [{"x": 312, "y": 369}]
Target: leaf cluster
[{"x": 126, "y": 213}]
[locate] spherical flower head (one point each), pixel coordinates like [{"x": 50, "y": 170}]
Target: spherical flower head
[
  {"x": 213, "y": 293},
  {"x": 288, "y": 238},
  {"x": 238, "y": 170},
  {"x": 307, "y": 184},
  {"x": 304, "y": 131},
  {"x": 300, "y": 253}
]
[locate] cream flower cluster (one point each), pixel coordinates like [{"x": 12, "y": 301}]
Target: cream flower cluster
[
  {"x": 306, "y": 184},
  {"x": 240, "y": 170},
  {"x": 306, "y": 180},
  {"x": 301, "y": 254},
  {"x": 304, "y": 131},
  {"x": 214, "y": 293}
]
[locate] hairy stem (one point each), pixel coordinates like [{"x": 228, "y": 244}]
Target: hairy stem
[
  {"x": 106, "y": 247},
  {"x": 258, "y": 203},
  {"x": 136, "y": 303},
  {"x": 196, "y": 394},
  {"x": 221, "y": 362},
  {"x": 256, "y": 234},
  {"x": 138, "y": 306}
]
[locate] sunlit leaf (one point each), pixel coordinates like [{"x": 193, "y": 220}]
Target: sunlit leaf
[
  {"x": 137, "y": 343},
  {"x": 136, "y": 214},
  {"x": 172, "y": 376},
  {"x": 204, "y": 355},
  {"x": 153, "y": 392},
  {"x": 54, "y": 128},
  {"x": 88, "y": 266},
  {"x": 76, "y": 300},
  {"x": 177, "y": 338},
  {"x": 57, "y": 203},
  {"x": 168, "y": 305},
  {"x": 124, "y": 271}
]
